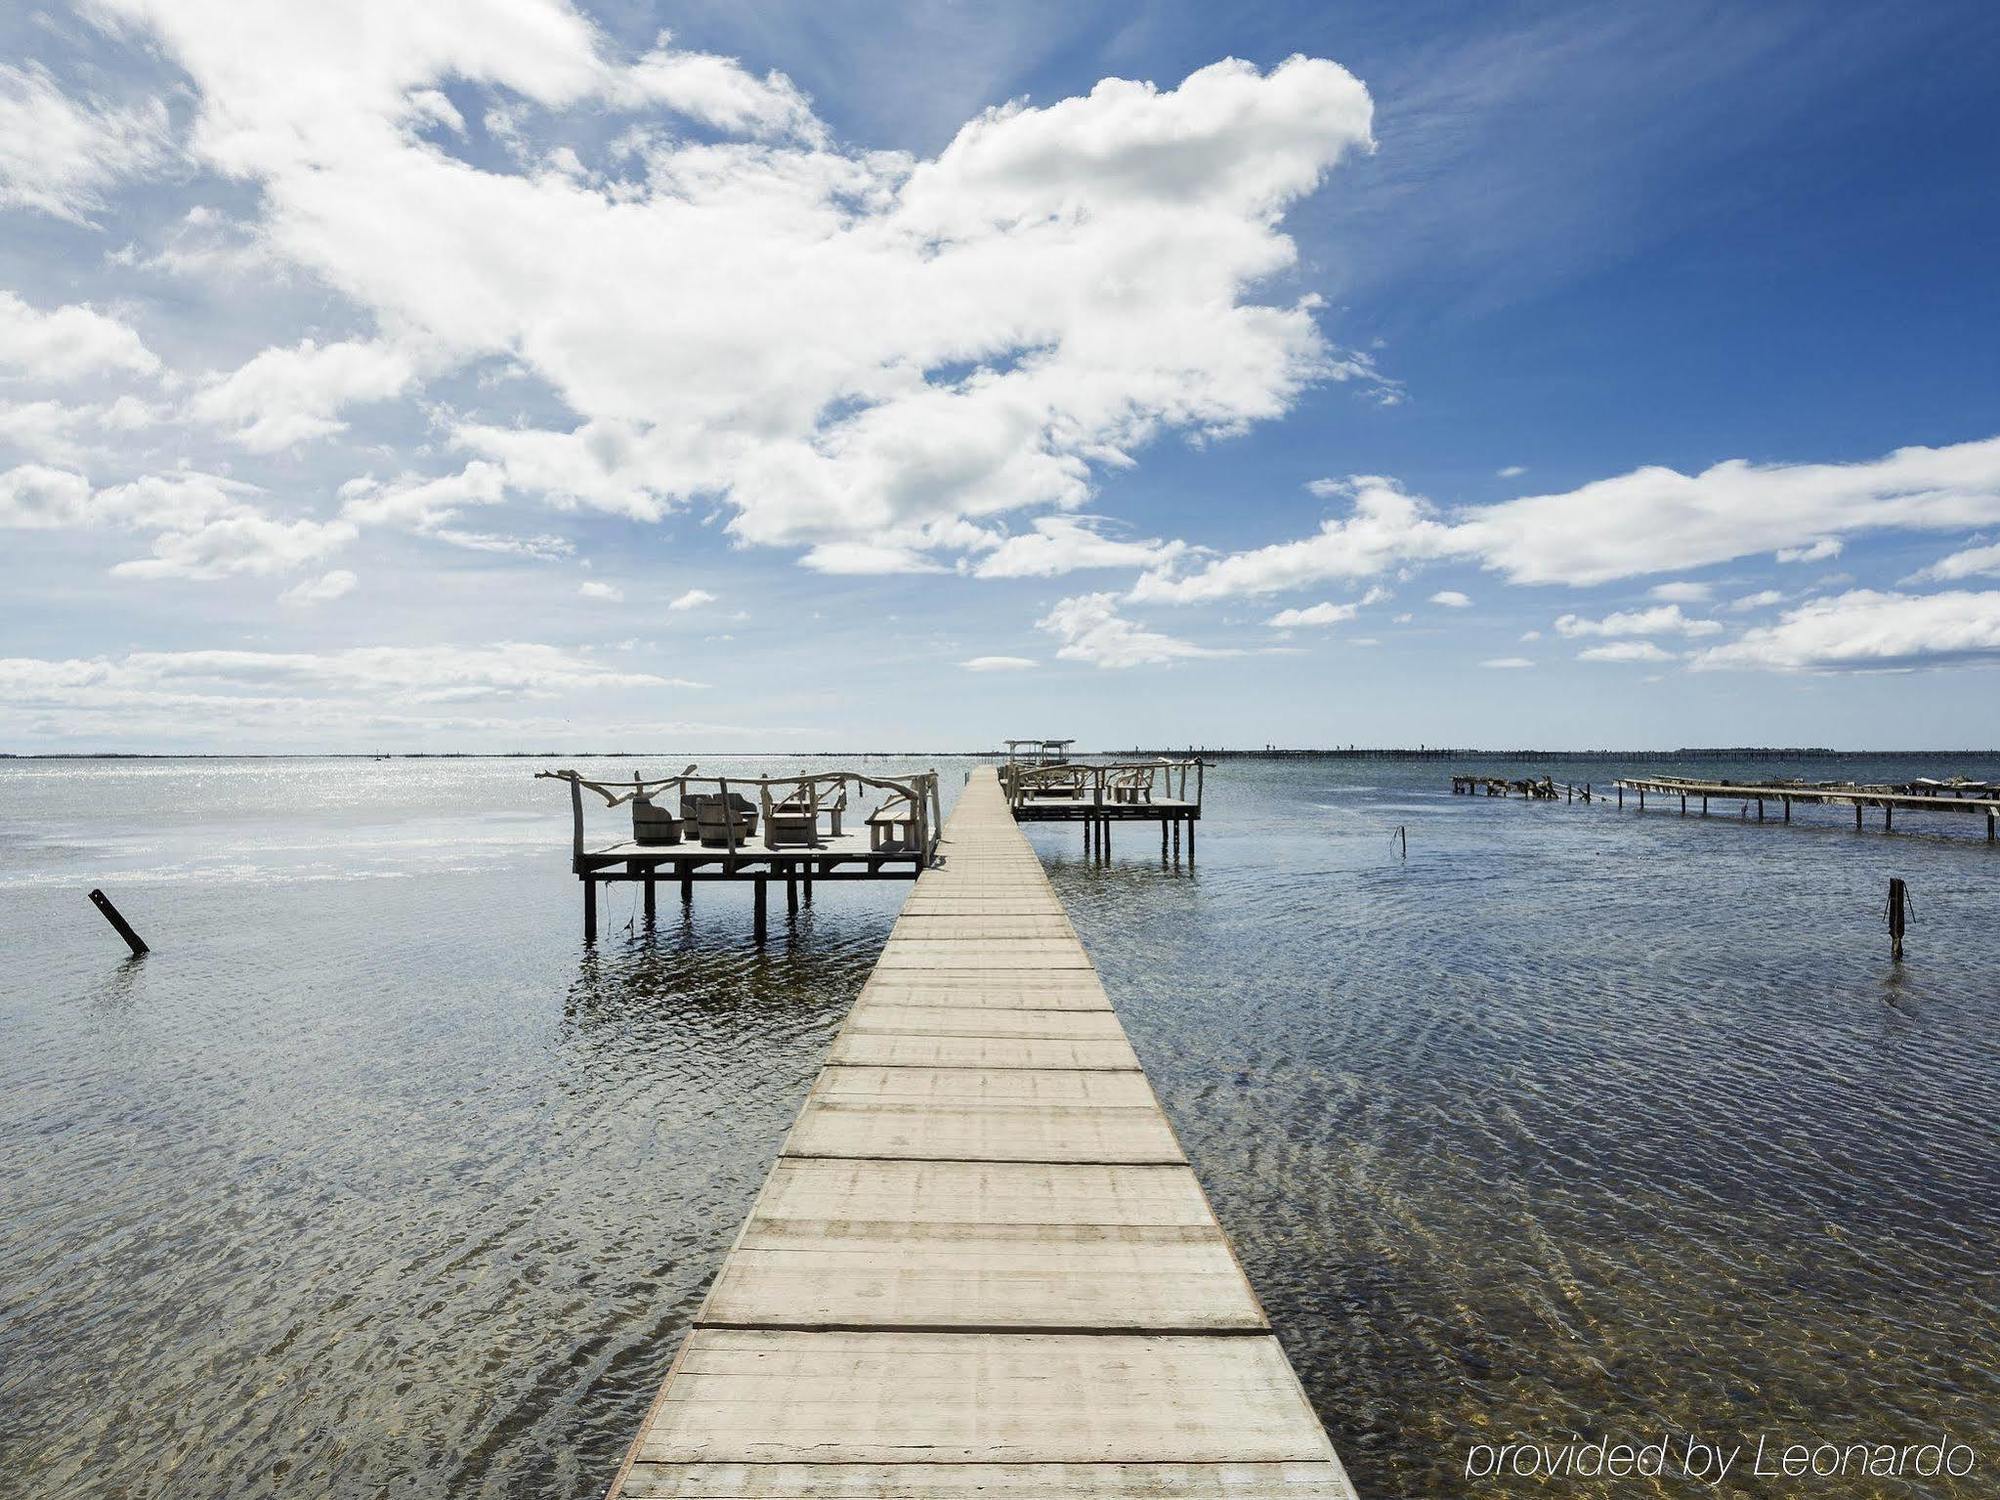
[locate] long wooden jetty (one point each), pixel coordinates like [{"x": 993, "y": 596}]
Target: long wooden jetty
[
  {"x": 1914, "y": 796},
  {"x": 981, "y": 1265}
]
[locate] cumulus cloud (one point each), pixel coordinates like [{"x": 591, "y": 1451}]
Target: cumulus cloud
[
  {"x": 1065, "y": 544},
  {"x": 1869, "y": 630},
  {"x": 1967, "y": 562},
  {"x": 284, "y": 397},
  {"x": 1313, "y": 614},
  {"x": 1507, "y": 663},
  {"x": 1662, "y": 619},
  {"x": 58, "y": 154},
  {"x": 1681, "y": 591},
  {"x": 1091, "y": 630},
  {"x": 326, "y": 588},
  {"x": 1652, "y": 520},
  {"x": 1512, "y": 471},
  {"x": 1625, "y": 651},
  {"x": 841, "y": 345},
  {"x": 203, "y": 525},
  {"x": 999, "y": 664},
  {"x": 609, "y": 593},
  {"x": 1762, "y": 599},
  {"x": 1452, "y": 599},
  {"x": 692, "y": 599},
  {"x": 67, "y": 343}
]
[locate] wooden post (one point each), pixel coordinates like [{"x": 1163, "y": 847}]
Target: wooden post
[
  {"x": 1788, "y": 809},
  {"x": 1760, "y": 809},
  {"x": 1163, "y": 841},
  {"x": 1990, "y": 830},
  {"x": 1888, "y": 817},
  {"x": 1621, "y": 795},
  {"x": 791, "y": 894},
  {"x": 761, "y": 897},
  {"x": 807, "y": 891},
  {"x": 1177, "y": 839},
  {"x": 1898, "y": 899},
  {"x": 650, "y": 910},
  {"x": 1684, "y": 804},
  {"x": 1403, "y": 833},
  {"x": 1704, "y": 804},
  {"x": 1642, "y": 799},
  {"x": 1857, "y": 816},
  {"x": 1190, "y": 843},
  {"x": 132, "y": 939},
  {"x": 687, "y": 889},
  {"x": 589, "y": 907}
]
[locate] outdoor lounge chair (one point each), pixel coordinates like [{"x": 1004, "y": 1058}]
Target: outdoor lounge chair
[
  {"x": 714, "y": 817},
  {"x": 652, "y": 823}
]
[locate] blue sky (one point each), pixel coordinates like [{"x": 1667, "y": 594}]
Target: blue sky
[{"x": 520, "y": 376}]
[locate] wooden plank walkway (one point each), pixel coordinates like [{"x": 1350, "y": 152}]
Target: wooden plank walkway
[{"x": 981, "y": 1265}]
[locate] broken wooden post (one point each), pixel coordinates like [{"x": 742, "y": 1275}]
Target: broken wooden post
[
  {"x": 1898, "y": 902},
  {"x": 124, "y": 928}
]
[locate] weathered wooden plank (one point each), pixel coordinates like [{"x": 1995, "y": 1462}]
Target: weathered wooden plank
[
  {"x": 763, "y": 1396},
  {"x": 889, "y": 1050},
  {"x": 989, "y": 1481},
  {"x": 943, "y": 1131},
  {"x": 1015, "y": 1086},
  {"x": 878, "y": 1016},
  {"x": 990, "y": 1193}
]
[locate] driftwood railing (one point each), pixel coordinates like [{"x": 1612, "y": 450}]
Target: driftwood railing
[
  {"x": 913, "y": 798},
  {"x": 1138, "y": 781}
]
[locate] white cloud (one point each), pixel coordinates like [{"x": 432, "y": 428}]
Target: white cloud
[
  {"x": 1968, "y": 562},
  {"x": 1817, "y": 550},
  {"x": 1091, "y": 630},
  {"x": 610, "y": 593},
  {"x": 284, "y": 397},
  {"x": 692, "y": 599},
  {"x": 1323, "y": 615},
  {"x": 1452, "y": 599},
  {"x": 56, "y": 155},
  {"x": 999, "y": 664},
  {"x": 1512, "y": 471},
  {"x": 1625, "y": 651},
  {"x": 67, "y": 343},
  {"x": 869, "y": 557},
  {"x": 1683, "y": 591},
  {"x": 1065, "y": 544},
  {"x": 1316, "y": 614},
  {"x": 1661, "y": 619},
  {"x": 1651, "y": 520},
  {"x": 324, "y": 589},
  {"x": 204, "y": 526},
  {"x": 1531, "y": 635},
  {"x": 1867, "y": 630},
  {"x": 1387, "y": 527},
  {"x": 1507, "y": 663},
  {"x": 1762, "y": 599},
  {"x": 841, "y": 345}
]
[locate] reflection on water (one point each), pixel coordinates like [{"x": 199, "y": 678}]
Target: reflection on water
[{"x": 371, "y": 1179}]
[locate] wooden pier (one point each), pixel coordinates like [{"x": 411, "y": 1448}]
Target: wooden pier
[
  {"x": 894, "y": 841},
  {"x": 981, "y": 1265},
  {"x": 1974, "y": 798},
  {"x": 1101, "y": 794}
]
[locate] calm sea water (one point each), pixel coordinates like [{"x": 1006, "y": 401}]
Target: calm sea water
[{"x": 371, "y": 1180}]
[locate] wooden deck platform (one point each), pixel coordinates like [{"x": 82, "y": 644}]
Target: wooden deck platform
[
  {"x": 1939, "y": 797},
  {"x": 981, "y": 1265}
]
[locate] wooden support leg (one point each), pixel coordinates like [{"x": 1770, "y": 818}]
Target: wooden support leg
[
  {"x": 1621, "y": 796},
  {"x": 1857, "y": 817},
  {"x": 1177, "y": 839},
  {"x": 1990, "y": 826},
  {"x": 1788, "y": 809},
  {"x": 590, "y": 908},
  {"x": 650, "y": 900},
  {"x": 1684, "y": 804},
  {"x": 762, "y": 882},
  {"x": 1190, "y": 843},
  {"x": 1888, "y": 818},
  {"x": 1760, "y": 809},
  {"x": 791, "y": 896},
  {"x": 687, "y": 890},
  {"x": 808, "y": 892},
  {"x": 1089, "y": 834},
  {"x": 1163, "y": 841}
]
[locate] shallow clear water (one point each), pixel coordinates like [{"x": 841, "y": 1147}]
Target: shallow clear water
[{"x": 372, "y": 1180}]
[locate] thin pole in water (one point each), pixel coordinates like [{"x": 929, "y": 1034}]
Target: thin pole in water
[
  {"x": 1899, "y": 902},
  {"x": 124, "y": 928}
]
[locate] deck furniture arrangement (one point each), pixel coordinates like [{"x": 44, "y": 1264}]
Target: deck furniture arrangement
[
  {"x": 981, "y": 1267},
  {"x": 805, "y": 837}
]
